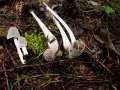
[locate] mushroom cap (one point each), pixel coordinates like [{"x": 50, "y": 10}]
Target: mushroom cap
[
  {"x": 22, "y": 42},
  {"x": 76, "y": 49},
  {"x": 49, "y": 55},
  {"x": 13, "y": 32}
]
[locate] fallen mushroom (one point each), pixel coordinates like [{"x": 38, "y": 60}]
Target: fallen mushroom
[
  {"x": 75, "y": 47},
  {"x": 66, "y": 42},
  {"x": 50, "y": 53},
  {"x": 22, "y": 44},
  {"x": 72, "y": 37},
  {"x": 14, "y": 33}
]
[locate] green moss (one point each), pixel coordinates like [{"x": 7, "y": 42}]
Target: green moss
[
  {"x": 108, "y": 10},
  {"x": 36, "y": 43},
  {"x": 110, "y": 7}
]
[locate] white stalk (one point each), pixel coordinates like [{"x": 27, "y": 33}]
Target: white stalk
[
  {"x": 72, "y": 37},
  {"x": 19, "y": 51},
  {"x": 25, "y": 52},
  {"x": 45, "y": 30},
  {"x": 66, "y": 42}
]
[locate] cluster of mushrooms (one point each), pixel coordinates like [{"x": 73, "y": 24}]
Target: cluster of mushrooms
[
  {"x": 73, "y": 47},
  {"x": 19, "y": 41}
]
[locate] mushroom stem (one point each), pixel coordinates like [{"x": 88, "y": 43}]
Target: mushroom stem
[
  {"x": 45, "y": 30},
  {"x": 47, "y": 33},
  {"x": 72, "y": 37},
  {"x": 25, "y": 52},
  {"x": 19, "y": 51},
  {"x": 66, "y": 42}
]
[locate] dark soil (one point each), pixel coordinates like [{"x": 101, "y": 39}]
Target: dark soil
[{"x": 96, "y": 69}]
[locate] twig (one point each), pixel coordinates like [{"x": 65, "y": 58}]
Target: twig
[
  {"x": 8, "y": 70},
  {"x": 7, "y": 81},
  {"x": 93, "y": 82},
  {"x": 96, "y": 59}
]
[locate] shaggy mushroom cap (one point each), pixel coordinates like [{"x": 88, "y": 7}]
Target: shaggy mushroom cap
[
  {"x": 76, "y": 49},
  {"x": 22, "y": 42},
  {"x": 13, "y": 33},
  {"x": 49, "y": 55}
]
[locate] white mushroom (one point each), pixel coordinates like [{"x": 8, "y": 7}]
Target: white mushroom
[
  {"x": 14, "y": 33},
  {"x": 22, "y": 44},
  {"x": 66, "y": 42},
  {"x": 72, "y": 37},
  {"x": 50, "y": 53},
  {"x": 76, "y": 47}
]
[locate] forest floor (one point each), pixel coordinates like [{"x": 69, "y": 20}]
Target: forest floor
[{"x": 98, "y": 68}]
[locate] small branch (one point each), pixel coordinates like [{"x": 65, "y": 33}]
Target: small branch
[{"x": 7, "y": 81}]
